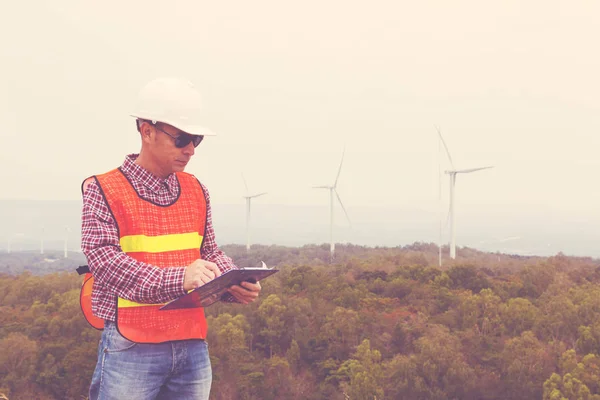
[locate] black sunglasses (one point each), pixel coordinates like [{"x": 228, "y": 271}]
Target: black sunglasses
[{"x": 183, "y": 139}]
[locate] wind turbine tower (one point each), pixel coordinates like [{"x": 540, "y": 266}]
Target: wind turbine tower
[
  {"x": 249, "y": 198},
  {"x": 332, "y": 191},
  {"x": 452, "y": 173},
  {"x": 67, "y": 230}
]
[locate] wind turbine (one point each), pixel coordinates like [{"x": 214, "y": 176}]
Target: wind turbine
[
  {"x": 332, "y": 190},
  {"x": 452, "y": 173},
  {"x": 67, "y": 230},
  {"x": 249, "y": 198}
]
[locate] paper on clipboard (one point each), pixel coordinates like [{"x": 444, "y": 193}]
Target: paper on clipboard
[{"x": 211, "y": 292}]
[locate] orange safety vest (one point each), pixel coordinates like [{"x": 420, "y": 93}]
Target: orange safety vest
[{"x": 163, "y": 236}]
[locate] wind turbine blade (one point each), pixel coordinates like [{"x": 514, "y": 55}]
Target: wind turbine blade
[
  {"x": 256, "y": 195},
  {"x": 340, "y": 168},
  {"x": 245, "y": 184},
  {"x": 465, "y": 171},
  {"x": 343, "y": 208},
  {"x": 446, "y": 147},
  {"x": 321, "y": 187}
]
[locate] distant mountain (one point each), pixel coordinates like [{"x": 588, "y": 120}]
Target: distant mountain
[{"x": 24, "y": 223}]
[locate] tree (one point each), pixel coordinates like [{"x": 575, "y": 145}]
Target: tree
[
  {"x": 519, "y": 315},
  {"x": 342, "y": 331},
  {"x": 271, "y": 312},
  {"x": 580, "y": 379},
  {"x": 560, "y": 320},
  {"x": 566, "y": 388},
  {"x": 467, "y": 277},
  {"x": 18, "y": 355},
  {"x": 526, "y": 364},
  {"x": 363, "y": 373},
  {"x": 293, "y": 356},
  {"x": 536, "y": 278}
]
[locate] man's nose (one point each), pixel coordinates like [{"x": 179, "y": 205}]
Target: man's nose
[{"x": 189, "y": 150}]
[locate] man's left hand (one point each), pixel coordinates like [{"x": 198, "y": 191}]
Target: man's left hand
[{"x": 246, "y": 292}]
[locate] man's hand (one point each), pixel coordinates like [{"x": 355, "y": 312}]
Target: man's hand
[
  {"x": 245, "y": 293},
  {"x": 198, "y": 273}
]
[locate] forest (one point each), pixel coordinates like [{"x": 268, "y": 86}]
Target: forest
[{"x": 376, "y": 323}]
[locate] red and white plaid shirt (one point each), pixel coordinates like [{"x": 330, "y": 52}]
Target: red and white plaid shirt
[{"x": 116, "y": 273}]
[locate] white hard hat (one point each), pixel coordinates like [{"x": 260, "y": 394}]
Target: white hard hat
[{"x": 172, "y": 101}]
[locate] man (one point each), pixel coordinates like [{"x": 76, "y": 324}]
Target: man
[{"x": 148, "y": 237}]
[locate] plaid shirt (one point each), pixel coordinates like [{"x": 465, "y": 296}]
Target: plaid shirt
[{"x": 116, "y": 273}]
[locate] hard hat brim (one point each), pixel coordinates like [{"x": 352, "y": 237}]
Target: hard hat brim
[{"x": 191, "y": 129}]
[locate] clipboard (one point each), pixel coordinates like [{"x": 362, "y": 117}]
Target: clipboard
[{"x": 211, "y": 292}]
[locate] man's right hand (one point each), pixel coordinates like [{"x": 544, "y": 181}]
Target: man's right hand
[{"x": 198, "y": 273}]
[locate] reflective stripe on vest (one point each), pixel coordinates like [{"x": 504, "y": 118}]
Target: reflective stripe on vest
[
  {"x": 162, "y": 236},
  {"x": 157, "y": 244}
]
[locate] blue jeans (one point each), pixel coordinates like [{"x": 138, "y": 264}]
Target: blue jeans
[{"x": 130, "y": 371}]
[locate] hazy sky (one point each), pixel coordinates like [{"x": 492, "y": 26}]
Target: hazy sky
[{"x": 511, "y": 83}]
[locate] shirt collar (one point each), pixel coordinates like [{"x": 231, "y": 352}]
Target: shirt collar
[{"x": 145, "y": 177}]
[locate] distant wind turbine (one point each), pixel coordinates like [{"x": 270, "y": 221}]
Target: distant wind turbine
[
  {"x": 332, "y": 190},
  {"x": 67, "y": 230},
  {"x": 249, "y": 198},
  {"x": 452, "y": 173}
]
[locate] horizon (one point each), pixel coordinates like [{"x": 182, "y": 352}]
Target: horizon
[{"x": 528, "y": 233}]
